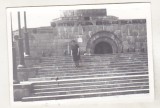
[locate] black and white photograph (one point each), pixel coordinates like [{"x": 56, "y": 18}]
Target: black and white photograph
[{"x": 80, "y": 52}]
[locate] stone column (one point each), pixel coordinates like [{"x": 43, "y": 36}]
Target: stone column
[
  {"x": 26, "y": 38},
  {"x": 20, "y": 45},
  {"x": 15, "y": 77}
]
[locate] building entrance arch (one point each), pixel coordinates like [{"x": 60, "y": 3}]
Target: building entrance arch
[{"x": 103, "y": 43}]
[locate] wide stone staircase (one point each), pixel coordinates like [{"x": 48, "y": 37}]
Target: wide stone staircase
[{"x": 97, "y": 76}]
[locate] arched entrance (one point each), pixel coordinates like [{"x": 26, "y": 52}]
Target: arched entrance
[
  {"x": 103, "y": 42},
  {"x": 103, "y": 48}
]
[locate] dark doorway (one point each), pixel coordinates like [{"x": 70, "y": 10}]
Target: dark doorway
[{"x": 103, "y": 48}]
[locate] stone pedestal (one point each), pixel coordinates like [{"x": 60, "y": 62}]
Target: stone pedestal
[
  {"x": 15, "y": 78},
  {"x": 25, "y": 73},
  {"x": 22, "y": 90},
  {"x": 27, "y": 49},
  {"x": 21, "y": 53}
]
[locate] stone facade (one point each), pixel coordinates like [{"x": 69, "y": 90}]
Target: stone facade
[{"x": 90, "y": 28}]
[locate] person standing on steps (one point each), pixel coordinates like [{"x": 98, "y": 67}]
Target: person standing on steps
[{"x": 75, "y": 52}]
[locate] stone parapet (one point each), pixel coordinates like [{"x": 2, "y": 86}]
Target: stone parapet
[
  {"x": 25, "y": 73},
  {"x": 22, "y": 90}
]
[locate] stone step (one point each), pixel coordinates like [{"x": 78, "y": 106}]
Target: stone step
[
  {"x": 92, "y": 90},
  {"x": 86, "y": 80},
  {"x": 83, "y": 87},
  {"x": 83, "y": 66},
  {"x": 71, "y": 67},
  {"x": 98, "y": 65},
  {"x": 86, "y": 95},
  {"x": 89, "y": 69},
  {"x": 82, "y": 59},
  {"x": 61, "y": 64},
  {"x": 94, "y": 67},
  {"x": 92, "y": 73},
  {"x": 92, "y": 61},
  {"x": 102, "y": 55},
  {"x": 129, "y": 61},
  {"x": 60, "y": 77},
  {"x": 98, "y": 82},
  {"x": 85, "y": 56},
  {"x": 99, "y": 56},
  {"x": 69, "y": 60}
]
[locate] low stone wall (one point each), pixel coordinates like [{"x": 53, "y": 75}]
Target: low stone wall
[
  {"x": 22, "y": 90},
  {"x": 25, "y": 73}
]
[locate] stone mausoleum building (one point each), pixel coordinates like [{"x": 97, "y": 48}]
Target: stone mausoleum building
[
  {"x": 96, "y": 32},
  {"x": 114, "y": 58}
]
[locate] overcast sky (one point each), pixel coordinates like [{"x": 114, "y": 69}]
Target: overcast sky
[{"x": 42, "y": 16}]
